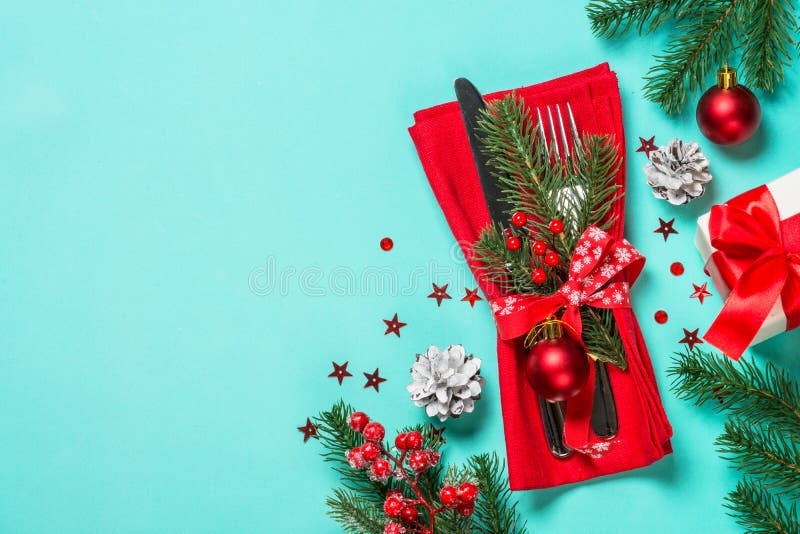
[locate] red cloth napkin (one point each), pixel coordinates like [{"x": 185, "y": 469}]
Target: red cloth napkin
[{"x": 644, "y": 431}]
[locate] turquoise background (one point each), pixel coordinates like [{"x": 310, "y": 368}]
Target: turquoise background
[{"x": 160, "y": 161}]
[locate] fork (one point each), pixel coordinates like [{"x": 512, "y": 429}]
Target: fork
[{"x": 604, "y": 421}]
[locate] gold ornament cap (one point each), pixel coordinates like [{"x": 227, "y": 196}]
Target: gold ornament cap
[{"x": 726, "y": 77}]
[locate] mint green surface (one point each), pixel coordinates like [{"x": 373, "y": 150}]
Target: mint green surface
[{"x": 192, "y": 201}]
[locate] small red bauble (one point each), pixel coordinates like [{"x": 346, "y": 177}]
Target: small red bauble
[
  {"x": 357, "y": 421},
  {"x": 538, "y": 276},
  {"x": 413, "y": 440},
  {"x": 409, "y": 514},
  {"x": 519, "y": 219},
  {"x": 513, "y": 243},
  {"x": 676, "y": 268},
  {"x": 380, "y": 469},
  {"x": 539, "y": 247},
  {"x": 728, "y": 113},
  {"x": 393, "y": 528},
  {"x": 551, "y": 259},
  {"x": 370, "y": 451},
  {"x": 557, "y": 369},
  {"x": 419, "y": 461},
  {"x": 661, "y": 317},
  {"x": 400, "y": 441},
  {"x": 392, "y": 507},
  {"x": 374, "y": 432},
  {"x": 468, "y": 492},
  {"x": 556, "y": 226},
  {"x": 466, "y": 509},
  {"x": 449, "y": 496},
  {"x": 387, "y": 243}
]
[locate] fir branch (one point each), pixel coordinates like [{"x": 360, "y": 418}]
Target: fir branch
[
  {"x": 602, "y": 338},
  {"x": 616, "y": 17},
  {"x": 706, "y": 42},
  {"x": 768, "y": 36},
  {"x": 743, "y": 389},
  {"x": 763, "y": 452},
  {"x": 354, "y": 514},
  {"x": 759, "y": 512},
  {"x": 494, "y": 511}
]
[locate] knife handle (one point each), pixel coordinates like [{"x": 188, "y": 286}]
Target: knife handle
[
  {"x": 553, "y": 423},
  {"x": 604, "y": 420}
]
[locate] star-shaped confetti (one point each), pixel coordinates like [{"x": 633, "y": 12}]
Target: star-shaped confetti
[
  {"x": 647, "y": 145},
  {"x": 393, "y": 326},
  {"x": 700, "y": 292},
  {"x": 439, "y": 293},
  {"x": 309, "y": 431},
  {"x": 437, "y": 433},
  {"x": 471, "y": 296},
  {"x": 690, "y": 338},
  {"x": 373, "y": 380},
  {"x": 340, "y": 372},
  {"x": 665, "y": 228}
]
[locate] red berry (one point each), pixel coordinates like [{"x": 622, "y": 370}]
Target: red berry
[
  {"x": 392, "y": 507},
  {"x": 449, "y": 496},
  {"x": 661, "y": 317},
  {"x": 676, "y": 268},
  {"x": 419, "y": 461},
  {"x": 556, "y": 226},
  {"x": 357, "y": 421},
  {"x": 409, "y": 514},
  {"x": 539, "y": 247},
  {"x": 433, "y": 458},
  {"x": 551, "y": 259},
  {"x": 395, "y": 494},
  {"x": 380, "y": 470},
  {"x": 400, "y": 441},
  {"x": 374, "y": 432},
  {"x": 393, "y": 528},
  {"x": 538, "y": 276},
  {"x": 519, "y": 219},
  {"x": 387, "y": 243},
  {"x": 468, "y": 492},
  {"x": 413, "y": 440},
  {"x": 370, "y": 451},
  {"x": 513, "y": 243},
  {"x": 466, "y": 509},
  {"x": 356, "y": 459}
]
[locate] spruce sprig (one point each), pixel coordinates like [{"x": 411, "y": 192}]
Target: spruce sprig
[
  {"x": 355, "y": 514},
  {"x": 768, "y": 40},
  {"x": 494, "y": 512},
  {"x": 616, "y": 17},
  {"x": 760, "y": 512}
]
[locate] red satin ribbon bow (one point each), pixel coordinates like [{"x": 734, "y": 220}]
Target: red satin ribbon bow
[
  {"x": 754, "y": 262},
  {"x": 593, "y": 280}
]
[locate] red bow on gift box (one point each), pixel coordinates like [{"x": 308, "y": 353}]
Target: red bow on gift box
[
  {"x": 594, "y": 281},
  {"x": 754, "y": 254}
]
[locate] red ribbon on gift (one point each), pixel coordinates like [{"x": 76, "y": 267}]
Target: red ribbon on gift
[
  {"x": 594, "y": 280},
  {"x": 759, "y": 264}
]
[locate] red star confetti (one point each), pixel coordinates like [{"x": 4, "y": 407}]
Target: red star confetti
[
  {"x": 393, "y": 326},
  {"x": 690, "y": 338},
  {"x": 340, "y": 372},
  {"x": 700, "y": 292},
  {"x": 437, "y": 433},
  {"x": 309, "y": 431},
  {"x": 665, "y": 228},
  {"x": 373, "y": 380},
  {"x": 471, "y": 296},
  {"x": 647, "y": 145},
  {"x": 439, "y": 293}
]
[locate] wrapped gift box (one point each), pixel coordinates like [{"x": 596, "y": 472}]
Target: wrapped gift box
[{"x": 781, "y": 198}]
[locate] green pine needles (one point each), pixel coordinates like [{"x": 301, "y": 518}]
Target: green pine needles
[
  {"x": 579, "y": 191},
  {"x": 357, "y": 504},
  {"x": 761, "y": 435},
  {"x": 757, "y": 33}
]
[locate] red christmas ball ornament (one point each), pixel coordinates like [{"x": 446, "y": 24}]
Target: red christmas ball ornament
[
  {"x": 538, "y": 276},
  {"x": 449, "y": 496},
  {"x": 551, "y": 259},
  {"x": 374, "y": 432},
  {"x": 519, "y": 219},
  {"x": 557, "y": 368},
  {"x": 556, "y": 226},
  {"x": 539, "y": 247},
  {"x": 413, "y": 440},
  {"x": 728, "y": 113},
  {"x": 409, "y": 515},
  {"x": 357, "y": 421},
  {"x": 513, "y": 243}
]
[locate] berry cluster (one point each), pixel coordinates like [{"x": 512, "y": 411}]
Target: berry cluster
[
  {"x": 409, "y": 464},
  {"x": 539, "y": 247}
]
